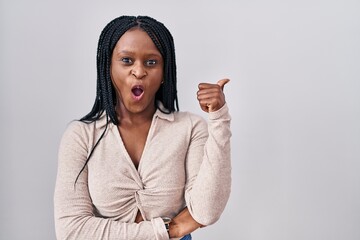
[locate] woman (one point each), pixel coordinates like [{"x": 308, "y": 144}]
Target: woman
[{"x": 135, "y": 160}]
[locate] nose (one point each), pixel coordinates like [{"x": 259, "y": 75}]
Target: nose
[{"x": 138, "y": 71}]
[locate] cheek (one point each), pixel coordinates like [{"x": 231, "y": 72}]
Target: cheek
[
  {"x": 117, "y": 72},
  {"x": 158, "y": 80},
  {"x": 118, "y": 76},
  {"x": 160, "y": 74},
  {"x": 117, "y": 79}
]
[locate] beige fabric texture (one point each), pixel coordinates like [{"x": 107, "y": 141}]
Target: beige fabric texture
[{"x": 185, "y": 162}]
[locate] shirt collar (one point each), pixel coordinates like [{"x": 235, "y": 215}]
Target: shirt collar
[{"x": 160, "y": 112}]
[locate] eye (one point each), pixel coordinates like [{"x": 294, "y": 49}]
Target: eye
[
  {"x": 151, "y": 62},
  {"x": 126, "y": 60}
]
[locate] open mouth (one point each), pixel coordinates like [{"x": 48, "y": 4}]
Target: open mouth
[{"x": 137, "y": 91}]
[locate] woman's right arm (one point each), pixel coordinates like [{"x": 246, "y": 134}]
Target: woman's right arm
[{"x": 73, "y": 208}]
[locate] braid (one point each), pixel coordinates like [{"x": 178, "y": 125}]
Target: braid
[
  {"x": 163, "y": 40},
  {"x": 106, "y": 100},
  {"x": 105, "y": 93}
]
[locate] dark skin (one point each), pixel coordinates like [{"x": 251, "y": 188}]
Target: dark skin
[{"x": 137, "y": 63}]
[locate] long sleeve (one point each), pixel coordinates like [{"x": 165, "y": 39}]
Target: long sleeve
[
  {"x": 75, "y": 216},
  {"x": 208, "y": 167}
]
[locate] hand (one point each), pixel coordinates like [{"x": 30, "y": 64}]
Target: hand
[
  {"x": 211, "y": 96},
  {"x": 183, "y": 224}
]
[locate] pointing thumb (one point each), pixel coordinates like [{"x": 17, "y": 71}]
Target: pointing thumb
[{"x": 222, "y": 82}]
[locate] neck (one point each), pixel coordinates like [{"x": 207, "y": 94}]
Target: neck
[{"x": 127, "y": 117}]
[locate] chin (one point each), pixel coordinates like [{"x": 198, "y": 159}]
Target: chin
[{"x": 137, "y": 108}]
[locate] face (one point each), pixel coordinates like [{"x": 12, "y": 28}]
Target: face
[{"x": 136, "y": 72}]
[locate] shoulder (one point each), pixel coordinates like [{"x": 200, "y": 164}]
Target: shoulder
[
  {"x": 77, "y": 130},
  {"x": 76, "y": 134},
  {"x": 176, "y": 118},
  {"x": 188, "y": 118},
  {"x": 191, "y": 123},
  {"x": 77, "y": 127}
]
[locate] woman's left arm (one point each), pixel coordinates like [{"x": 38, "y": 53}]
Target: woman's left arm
[{"x": 208, "y": 163}]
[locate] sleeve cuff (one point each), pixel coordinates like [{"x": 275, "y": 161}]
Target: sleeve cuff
[
  {"x": 159, "y": 229},
  {"x": 221, "y": 113}
]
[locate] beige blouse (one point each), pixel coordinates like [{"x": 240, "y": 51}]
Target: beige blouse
[{"x": 185, "y": 162}]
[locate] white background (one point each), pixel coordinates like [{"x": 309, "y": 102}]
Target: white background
[{"x": 294, "y": 97}]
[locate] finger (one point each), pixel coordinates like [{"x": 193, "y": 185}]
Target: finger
[
  {"x": 206, "y": 85},
  {"x": 204, "y": 105},
  {"x": 209, "y": 91},
  {"x": 206, "y": 102},
  {"x": 222, "y": 82},
  {"x": 211, "y": 95},
  {"x": 208, "y": 105}
]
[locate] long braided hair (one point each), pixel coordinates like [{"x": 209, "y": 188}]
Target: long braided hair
[{"x": 105, "y": 100}]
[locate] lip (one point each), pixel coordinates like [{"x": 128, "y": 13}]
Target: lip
[{"x": 137, "y": 97}]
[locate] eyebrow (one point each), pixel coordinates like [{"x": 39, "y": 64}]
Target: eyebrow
[
  {"x": 126, "y": 52},
  {"x": 151, "y": 53}
]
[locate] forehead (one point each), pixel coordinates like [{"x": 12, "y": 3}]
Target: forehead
[{"x": 136, "y": 40}]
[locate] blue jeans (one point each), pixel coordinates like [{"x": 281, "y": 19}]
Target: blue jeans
[{"x": 187, "y": 237}]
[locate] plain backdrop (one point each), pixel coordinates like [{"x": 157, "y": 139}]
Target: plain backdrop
[{"x": 294, "y": 98}]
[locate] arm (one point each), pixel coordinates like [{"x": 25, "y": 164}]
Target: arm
[
  {"x": 183, "y": 224},
  {"x": 208, "y": 164},
  {"x": 74, "y": 211},
  {"x": 208, "y": 161}
]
